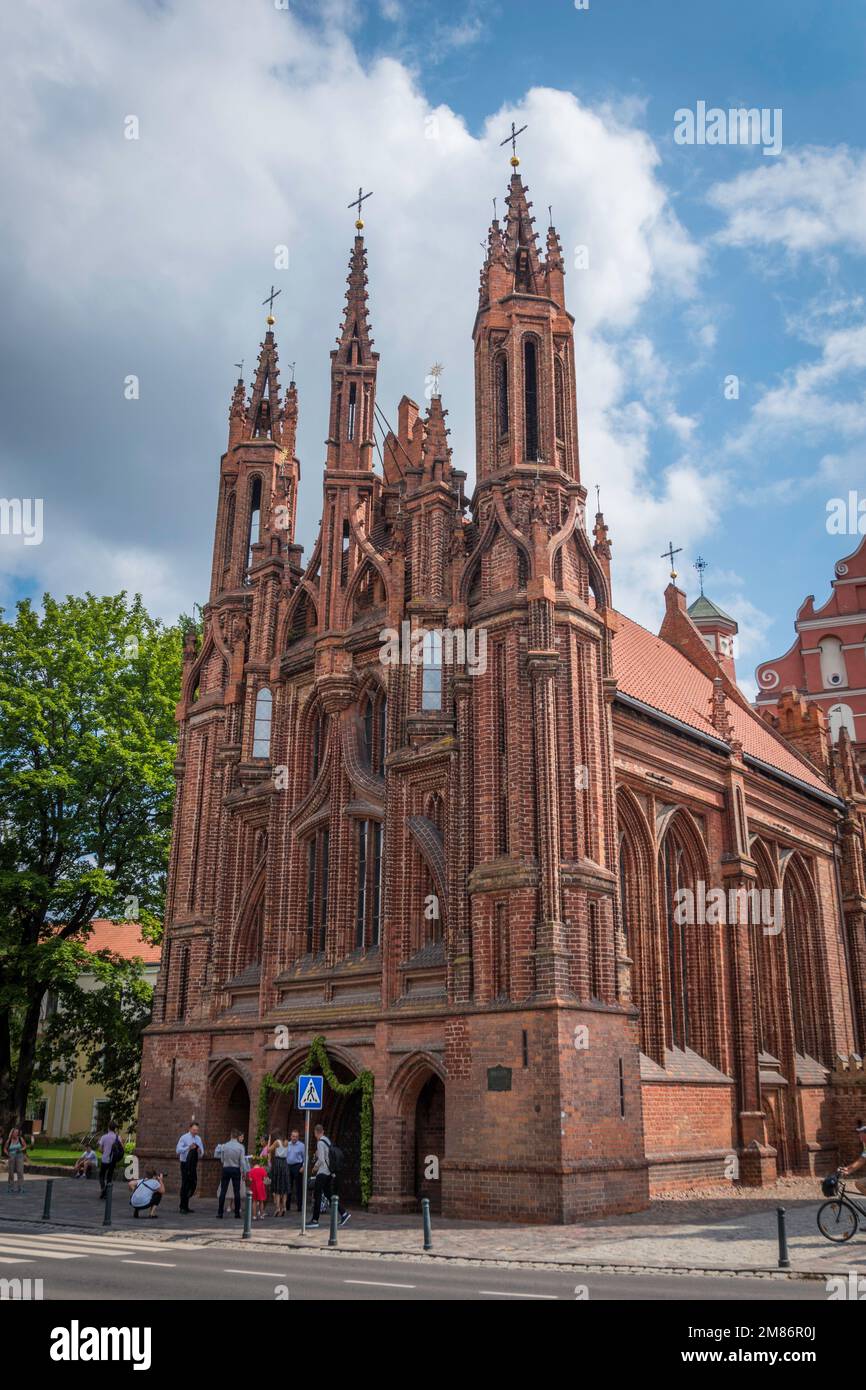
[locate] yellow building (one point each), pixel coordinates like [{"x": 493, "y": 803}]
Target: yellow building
[{"x": 78, "y": 1106}]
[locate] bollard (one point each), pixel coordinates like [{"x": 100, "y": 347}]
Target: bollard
[
  {"x": 46, "y": 1208},
  {"x": 428, "y": 1232},
  {"x": 784, "y": 1262},
  {"x": 334, "y": 1215},
  {"x": 248, "y": 1216},
  {"x": 109, "y": 1192}
]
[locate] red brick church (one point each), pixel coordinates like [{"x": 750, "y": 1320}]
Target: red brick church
[{"x": 438, "y": 801}]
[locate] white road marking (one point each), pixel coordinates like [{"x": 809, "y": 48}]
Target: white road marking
[
  {"x": 379, "y": 1284},
  {"x": 5, "y": 1260},
  {"x": 266, "y": 1273},
  {"x": 46, "y": 1254},
  {"x": 506, "y": 1293},
  {"x": 157, "y": 1264}
]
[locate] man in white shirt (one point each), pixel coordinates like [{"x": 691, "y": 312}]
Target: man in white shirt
[{"x": 189, "y": 1146}]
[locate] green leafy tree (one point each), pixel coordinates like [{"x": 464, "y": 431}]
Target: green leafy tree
[{"x": 87, "y": 743}]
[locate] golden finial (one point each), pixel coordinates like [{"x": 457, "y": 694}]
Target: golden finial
[
  {"x": 270, "y": 320},
  {"x": 513, "y": 139},
  {"x": 669, "y": 555},
  {"x": 356, "y": 203}
]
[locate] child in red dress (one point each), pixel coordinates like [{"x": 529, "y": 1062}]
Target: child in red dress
[{"x": 256, "y": 1181}]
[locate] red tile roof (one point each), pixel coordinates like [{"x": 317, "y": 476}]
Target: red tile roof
[
  {"x": 658, "y": 675},
  {"x": 123, "y": 939}
]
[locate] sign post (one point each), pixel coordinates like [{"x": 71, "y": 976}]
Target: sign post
[{"x": 310, "y": 1097}]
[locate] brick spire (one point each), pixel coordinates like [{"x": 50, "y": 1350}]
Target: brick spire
[
  {"x": 354, "y": 343},
  {"x": 435, "y": 450},
  {"x": 353, "y": 375},
  {"x": 264, "y": 412},
  {"x": 520, "y": 240}
]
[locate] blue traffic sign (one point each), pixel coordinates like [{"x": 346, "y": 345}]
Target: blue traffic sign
[{"x": 310, "y": 1091}]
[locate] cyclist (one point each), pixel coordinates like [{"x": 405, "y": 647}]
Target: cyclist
[{"x": 858, "y": 1162}]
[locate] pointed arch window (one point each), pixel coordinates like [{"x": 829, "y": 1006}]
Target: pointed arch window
[
  {"x": 840, "y": 717},
  {"x": 255, "y": 517},
  {"x": 344, "y": 554},
  {"x": 501, "y": 378},
  {"x": 262, "y": 724},
  {"x": 530, "y": 398},
  {"x": 431, "y": 674},
  {"x": 369, "y": 900},
  {"x": 350, "y": 423},
  {"x": 559, "y": 393},
  {"x": 674, "y": 874},
  {"x": 229, "y": 536},
  {"x": 317, "y": 891},
  {"x": 375, "y": 722},
  {"x": 183, "y": 984}
]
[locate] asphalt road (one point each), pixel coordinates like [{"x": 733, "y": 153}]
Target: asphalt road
[{"x": 86, "y": 1266}]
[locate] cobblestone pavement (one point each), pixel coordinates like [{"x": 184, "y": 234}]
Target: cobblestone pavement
[{"x": 717, "y": 1228}]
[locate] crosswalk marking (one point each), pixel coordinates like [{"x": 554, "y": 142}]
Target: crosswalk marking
[
  {"x": 59, "y": 1245},
  {"x": 46, "y": 1254},
  {"x": 157, "y": 1264},
  {"x": 5, "y": 1260}
]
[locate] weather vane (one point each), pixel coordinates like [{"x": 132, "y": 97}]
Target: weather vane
[
  {"x": 512, "y": 140},
  {"x": 269, "y": 300},
  {"x": 356, "y": 203},
  {"x": 669, "y": 555},
  {"x": 700, "y": 565},
  {"x": 597, "y": 498},
  {"x": 240, "y": 367},
  {"x": 292, "y": 365},
  {"x": 435, "y": 372}
]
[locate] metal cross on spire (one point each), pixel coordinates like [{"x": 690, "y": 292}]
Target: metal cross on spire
[
  {"x": 669, "y": 555},
  {"x": 240, "y": 367},
  {"x": 435, "y": 372},
  {"x": 356, "y": 203},
  {"x": 512, "y": 139},
  {"x": 700, "y": 565},
  {"x": 269, "y": 300}
]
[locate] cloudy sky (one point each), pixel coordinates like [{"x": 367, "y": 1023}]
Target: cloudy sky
[{"x": 257, "y": 120}]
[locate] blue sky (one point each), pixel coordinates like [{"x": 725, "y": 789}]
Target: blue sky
[{"x": 705, "y": 261}]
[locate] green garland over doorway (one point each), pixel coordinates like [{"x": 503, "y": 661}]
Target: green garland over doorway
[{"x": 363, "y": 1082}]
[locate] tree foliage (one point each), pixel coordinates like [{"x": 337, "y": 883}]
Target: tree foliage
[{"x": 87, "y": 741}]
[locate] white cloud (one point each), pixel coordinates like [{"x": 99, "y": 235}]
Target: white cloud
[
  {"x": 152, "y": 257},
  {"x": 807, "y": 200}
]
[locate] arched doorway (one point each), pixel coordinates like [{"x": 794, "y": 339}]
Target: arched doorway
[
  {"x": 430, "y": 1141},
  {"x": 228, "y": 1108},
  {"x": 341, "y": 1117}
]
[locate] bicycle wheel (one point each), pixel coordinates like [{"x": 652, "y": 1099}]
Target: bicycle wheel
[{"x": 837, "y": 1220}]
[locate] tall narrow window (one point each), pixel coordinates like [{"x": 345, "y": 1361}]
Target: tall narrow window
[
  {"x": 499, "y": 676},
  {"x": 677, "y": 961},
  {"x": 255, "y": 517},
  {"x": 344, "y": 554},
  {"x": 262, "y": 725},
  {"x": 369, "y": 713},
  {"x": 376, "y": 906},
  {"x": 228, "y": 539},
  {"x": 501, "y": 981},
  {"x": 317, "y": 891},
  {"x": 559, "y": 391},
  {"x": 311, "y": 894},
  {"x": 350, "y": 424},
  {"x": 382, "y": 722},
  {"x": 502, "y": 395},
  {"x": 530, "y": 397},
  {"x": 431, "y": 675},
  {"x": 361, "y": 916}
]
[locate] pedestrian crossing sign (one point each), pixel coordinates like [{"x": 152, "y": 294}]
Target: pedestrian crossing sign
[{"x": 310, "y": 1090}]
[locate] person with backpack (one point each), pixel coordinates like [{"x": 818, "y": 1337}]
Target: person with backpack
[
  {"x": 15, "y": 1150},
  {"x": 328, "y": 1165},
  {"x": 110, "y": 1148}
]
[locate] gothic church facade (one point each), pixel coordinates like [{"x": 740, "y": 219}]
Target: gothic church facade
[{"x": 463, "y": 873}]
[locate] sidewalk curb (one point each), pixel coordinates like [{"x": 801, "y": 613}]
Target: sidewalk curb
[{"x": 580, "y": 1265}]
